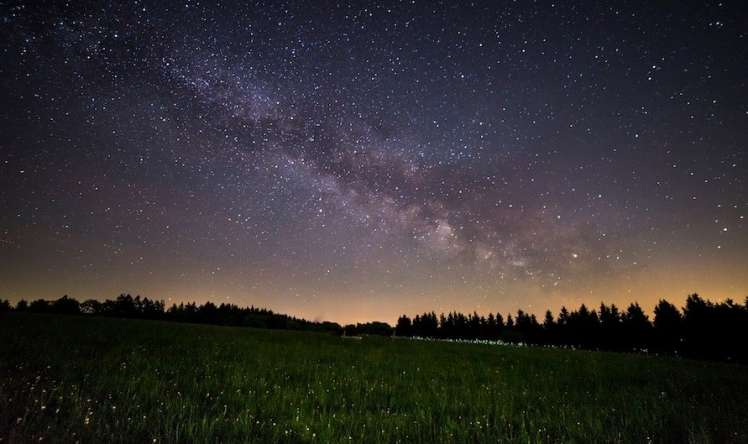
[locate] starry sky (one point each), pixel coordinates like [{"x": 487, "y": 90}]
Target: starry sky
[{"x": 354, "y": 161}]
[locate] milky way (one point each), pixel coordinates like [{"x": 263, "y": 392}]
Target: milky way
[{"x": 354, "y": 162}]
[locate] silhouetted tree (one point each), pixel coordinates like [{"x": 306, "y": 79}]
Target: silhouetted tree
[
  {"x": 549, "y": 329},
  {"x": 582, "y": 327},
  {"x": 636, "y": 328},
  {"x": 39, "y": 306},
  {"x": 611, "y": 328},
  {"x": 404, "y": 326},
  {"x": 65, "y": 305},
  {"x": 369, "y": 328},
  {"x": 668, "y": 325},
  {"x": 697, "y": 326},
  {"x": 489, "y": 328},
  {"x": 499, "y": 326}
]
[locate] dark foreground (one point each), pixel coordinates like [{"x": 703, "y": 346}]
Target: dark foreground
[{"x": 67, "y": 379}]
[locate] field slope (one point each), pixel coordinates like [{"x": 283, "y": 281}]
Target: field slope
[{"x": 67, "y": 379}]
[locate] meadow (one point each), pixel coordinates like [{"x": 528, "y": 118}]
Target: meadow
[{"x": 86, "y": 379}]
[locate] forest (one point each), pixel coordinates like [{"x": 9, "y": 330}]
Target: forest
[{"x": 701, "y": 329}]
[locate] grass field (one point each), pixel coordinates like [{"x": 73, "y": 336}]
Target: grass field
[{"x": 68, "y": 379}]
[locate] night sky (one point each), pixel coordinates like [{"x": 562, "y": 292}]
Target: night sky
[{"x": 343, "y": 162}]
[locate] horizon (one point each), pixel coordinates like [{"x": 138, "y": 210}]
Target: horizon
[{"x": 648, "y": 311}]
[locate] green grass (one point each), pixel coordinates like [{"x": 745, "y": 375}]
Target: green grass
[{"x": 67, "y": 379}]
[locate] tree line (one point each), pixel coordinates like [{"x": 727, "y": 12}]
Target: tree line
[
  {"x": 701, "y": 329},
  {"x": 127, "y": 306}
]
